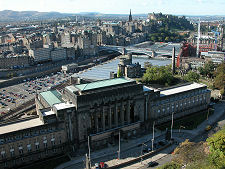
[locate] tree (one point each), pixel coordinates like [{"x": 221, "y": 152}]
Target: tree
[
  {"x": 219, "y": 81},
  {"x": 209, "y": 69},
  {"x": 158, "y": 75},
  {"x": 217, "y": 149},
  {"x": 192, "y": 76},
  {"x": 201, "y": 71}
]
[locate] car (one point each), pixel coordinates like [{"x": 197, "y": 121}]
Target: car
[
  {"x": 152, "y": 164},
  {"x": 208, "y": 127}
]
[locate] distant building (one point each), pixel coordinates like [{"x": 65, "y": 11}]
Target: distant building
[
  {"x": 17, "y": 61},
  {"x": 127, "y": 69},
  {"x": 40, "y": 55},
  {"x": 58, "y": 54},
  {"x": 130, "y": 17}
]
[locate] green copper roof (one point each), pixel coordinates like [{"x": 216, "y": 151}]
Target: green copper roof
[
  {"x": 52, "y": 97},
  {"x": 102, "y": 83}
]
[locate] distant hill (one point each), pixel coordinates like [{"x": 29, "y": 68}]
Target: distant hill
[{"x": 8, "y": 15}]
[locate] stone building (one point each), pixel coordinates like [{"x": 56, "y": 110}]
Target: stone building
[
  {"x": 87, "y": 43},
  {"x": 103, "y": 108},
  {"x": 180, "y": 100},
  {"x": 99, "y": 110},
  {"x": 33, "y": 139},
  {"x": 19, "y": 61},
  {"x": 127, "y": 68}
]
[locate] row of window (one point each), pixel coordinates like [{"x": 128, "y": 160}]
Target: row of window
[
  {"x": 29, "y": 148},
  {"x": 26, "y": 135},
  {"x": 30, "y": 158},
  {"x": 182, "y": 96},
  {"x": 179, "y": 105}
]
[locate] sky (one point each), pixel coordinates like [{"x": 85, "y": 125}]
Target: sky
[{"x": 177, "y": 7}]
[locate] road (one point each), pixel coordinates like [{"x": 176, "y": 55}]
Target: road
[
  {"x": 216, "y": 127},
  {"x": 165, "y": 159},
  {"x": 111, "y": 159}
]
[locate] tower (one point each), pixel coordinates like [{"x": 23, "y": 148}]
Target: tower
[{"x": 130, "y": 17}]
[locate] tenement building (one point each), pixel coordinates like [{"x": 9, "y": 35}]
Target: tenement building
[{"x": 99, "y": 110}]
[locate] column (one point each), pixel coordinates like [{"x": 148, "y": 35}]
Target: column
[
  {"x": 122, "y": 113},
  {"x": 103, "y": 118},
  {"x": 110, "y": 117},
  {"x": 116, "y": 115},
  {"x": 96, "y": 122},
  {"x": 128, "y": 111}
]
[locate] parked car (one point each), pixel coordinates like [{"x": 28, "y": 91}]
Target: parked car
[
  {"x": 152, "y": 164},
  {"x": 208, "y": 128}
]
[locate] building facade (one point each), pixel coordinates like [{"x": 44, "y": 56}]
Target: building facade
[{"x": 99, "y": 110}]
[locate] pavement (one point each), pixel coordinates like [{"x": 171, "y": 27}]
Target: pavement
[{"x": 178, "y": 135}]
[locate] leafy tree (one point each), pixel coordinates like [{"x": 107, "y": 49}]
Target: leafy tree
[
  {"x": 201, "y": 71},
  {"x": 209, "y": 69},
  {"x": 219, "y": 81},
  {"x": 192, "y": 76},
  {"x": 217, "y": 149},
  {"x": 158, "y": 75}
]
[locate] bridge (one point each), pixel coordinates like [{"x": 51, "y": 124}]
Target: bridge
[{"x": 164, "y": 49}]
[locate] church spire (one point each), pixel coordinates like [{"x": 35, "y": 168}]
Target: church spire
[{"x": 130, "y": 16}]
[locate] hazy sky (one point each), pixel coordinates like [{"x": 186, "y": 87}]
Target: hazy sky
[{"x": 184, "y": 7}]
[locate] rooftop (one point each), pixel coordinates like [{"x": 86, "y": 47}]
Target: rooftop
[
  {"x": 52, "y": 97},
  {"x": 180, "y": 89},
  {"x": 102, "y": 83},
  {"x": 61, "y": 106},
  {"x": 8, "y": 128},
  {"x": 48, "y": 113}
]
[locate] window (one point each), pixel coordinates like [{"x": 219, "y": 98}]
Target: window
[
  {"x": 53, "y": 141},
  {"x": 3, "y": 154},
  {"x": 20, "y": 149},
  {"x": 45, "y": 145},
  {"x": 29, "y": 148},
  {"x": 37, "y": 145},
  {"x": 12, "y": 152}
]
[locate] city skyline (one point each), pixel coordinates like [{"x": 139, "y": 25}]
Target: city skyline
[{"x": 192, "y": 7}]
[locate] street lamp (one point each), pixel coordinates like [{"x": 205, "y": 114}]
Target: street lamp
[
  {"x": 172, "y": 127},
  {"x": 119, "y": 147},
  {"x": 207, "y": 115},
  {"x": 153, "y": 135}
]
